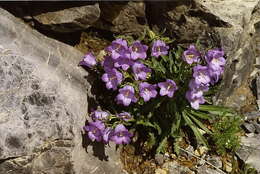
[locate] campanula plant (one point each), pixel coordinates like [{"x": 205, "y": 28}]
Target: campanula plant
[{"x": 159, "y": 91}]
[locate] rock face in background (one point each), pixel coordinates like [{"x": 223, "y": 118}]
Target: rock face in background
[
  {"x": 71, "y": 19},
  {"x": 43, "y": 106},
  {"x": 123, "y": 17}
]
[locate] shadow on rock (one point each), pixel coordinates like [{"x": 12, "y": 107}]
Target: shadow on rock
[{"x": 97, "y": 147}]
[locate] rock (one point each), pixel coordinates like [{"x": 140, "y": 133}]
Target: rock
[
  {"x": 160, "y": 171},
  {"x": 229, "y": 24},
  {"x": 175, "y": 168},
  {"x": 252, "y": 115},
  {"x": 228, "y": 166},
  {"x": 201, "y": 150},
  {"x": 249, "y": 128},
  {"x": 159, "y": 158},
  {"x": 207, "y": 170},
  {"x": 69, "y": 19},
  {"x": 250, "y": 151},
  {"x": 122, "y": 17},
  {"x": 257, "y": 128},
  {"x": 215, "y": 161},
  {"x": 43, "y": 106}
]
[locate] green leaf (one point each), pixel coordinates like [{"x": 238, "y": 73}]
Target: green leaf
[
  {"x": 164, "y": 58},
  {"x": 201, "y": 115},
  {"x": 151, "y": 140},
  {"x": 195, "y": 130},
  {"x": 199, "y": 123},
  {"x": 171, "y": 62},
  {"x": 149, "y": 124},
  {"x": 162, "y": 146},
  {"x": 216, "y": 110},
  {"x": 175, "y": 128}
]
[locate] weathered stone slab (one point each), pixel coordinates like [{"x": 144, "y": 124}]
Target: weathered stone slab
[{"x": 43, "y": 106}]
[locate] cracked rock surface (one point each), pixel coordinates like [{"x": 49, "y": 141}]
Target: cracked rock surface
[{"x": 43, "y": 106}]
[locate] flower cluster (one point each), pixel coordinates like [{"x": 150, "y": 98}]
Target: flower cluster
[
  {"x": 123, "y": 58},
  {"x": 137, "y": 74},
  {"x": 203, "y": 76},
  {"x": 98, "y": 131}
]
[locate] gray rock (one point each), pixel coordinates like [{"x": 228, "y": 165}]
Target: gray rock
[
  {"x": 69, "y": 19},
  {"x": 215, "y": 161},
  {"x": 122, "y": 17},
  {"x": 175, "y": 168},
  {"x": 250, "y": 151},
  {"x": 159, "y": 158},
  {"x": 257, "y": 128},
  {"x": 43, "y": 106},
  {"x": 249, "y": 128},
  {"x": 252, "y": 115},
  {"x": 207, "y": 170}
]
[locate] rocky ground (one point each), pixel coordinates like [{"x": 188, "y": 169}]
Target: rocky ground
[{"x": 45, "y": 95}]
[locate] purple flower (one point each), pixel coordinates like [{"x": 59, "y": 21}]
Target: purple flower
[
  {"x": 138, "y": 50},
  {"x": 117, "y": 48},
  {"x": 195, "y": 98},
  {"x": 201, "y": 74},
  {"x": 147, "y": 91},
  {"x": 95, "y": 130},
  {"x": 108, "y": 63},
  {"x": 215, "y": 75},
  {"x": 126, "y": 95},
  {"x": 112, "y": 78},
  {"x": 215, "y": 59},
  {"x": 125, "y": 116},
  {"x": 201, "y": 87},
  {"x": 99, "y": 115},
  {"x": 140, "y": 71},
  {"x": 107, "y": 133},
  {"x": 121, "y": 135},
  {"x": 159, "y": 48},
  {"x": 191, "y": 55},
  {"x": 124, "y": 62},
  {"x": 89, "y": 60},
  {"x": 167, "y": 88}
]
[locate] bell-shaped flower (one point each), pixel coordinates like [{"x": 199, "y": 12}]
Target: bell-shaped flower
[
  {"x": 117, "y": 48},
  {"x": 140, "y": 71},
  {"x": 167, "y": 88},
  {"x": 147, "y": 91},
  {"x": 215, "y": 59},
  {"x": 159, "y": 48},
  {"x": 95, "y": 130},
  {"x": 138, "y": 50},
  {"x": 121, "y": 135},
  {"x": 112, "y": 78},
  {"x": 89, "y": 60},
  {"x": 201, "y": 75},
  {"x": 191, "y": 55},
  {"x": 126, "y": 95}
]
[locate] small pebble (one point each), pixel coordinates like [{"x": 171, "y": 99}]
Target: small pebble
[
  {"x": 249, "y": 128},
  {"x": 250, "y": 135},
  {"x": 160, "y": 171},
  {"x": 257, "y": 128},
  {"x": 159, "y": 158}
]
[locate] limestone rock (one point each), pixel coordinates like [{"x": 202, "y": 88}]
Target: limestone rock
[
  {"x": 250, "y": 151},
  {"x": 122, "y": 17},
  {"x": 69, "y": 19},
  {"x": 175, "y": 168},
  {"x": 43, "y": 106}
]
